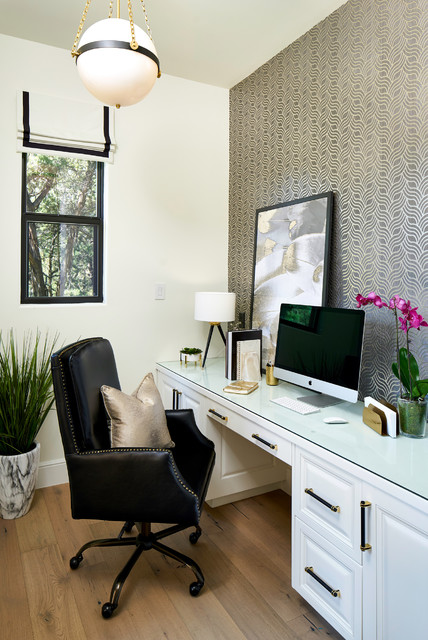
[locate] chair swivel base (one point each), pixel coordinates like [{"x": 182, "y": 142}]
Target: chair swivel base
[{"x": 145, "y": 541}]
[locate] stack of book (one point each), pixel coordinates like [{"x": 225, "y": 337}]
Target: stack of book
[{"x": 244, "y": 355}]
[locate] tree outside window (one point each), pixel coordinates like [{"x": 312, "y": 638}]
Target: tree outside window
[{"x": 62, "y": 216}]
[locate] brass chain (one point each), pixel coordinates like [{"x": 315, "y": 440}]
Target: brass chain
[
  {"x": 149, "y": 31},
  {"x": 134, "y": 44},
  {"x": 79, "y": 30},
  {"x": 110, "y": 9}
]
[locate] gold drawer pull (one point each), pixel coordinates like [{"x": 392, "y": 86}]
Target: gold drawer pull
[
  {"x": 334, "y": 592},
  {"x": 217, "y": 415},
  {"x": 332, "y": 507},
  {"x": 268, "y": 444}
]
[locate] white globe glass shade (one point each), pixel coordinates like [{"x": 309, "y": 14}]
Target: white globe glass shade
[{"x": 116, "y": 77}]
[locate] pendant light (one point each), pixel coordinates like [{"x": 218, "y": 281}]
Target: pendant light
[{"x": 116, "y": 60}]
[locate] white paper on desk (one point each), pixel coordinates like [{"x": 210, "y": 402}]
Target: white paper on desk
[{"x": 391, "y": 416}]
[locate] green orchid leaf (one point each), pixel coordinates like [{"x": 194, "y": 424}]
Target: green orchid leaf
[
  {"x": 405, "y": 381},
  {"x": 420, "y": 388},
  {"x": 404, "y": 365}
]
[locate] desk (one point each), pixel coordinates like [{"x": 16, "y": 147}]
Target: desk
[{"x": 380, "y": 592}]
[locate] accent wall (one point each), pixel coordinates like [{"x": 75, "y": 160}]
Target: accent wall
[{"x": 344, "y": 109}]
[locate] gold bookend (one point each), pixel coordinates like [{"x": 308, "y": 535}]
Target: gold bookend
[{"x": 375, "y": 419}]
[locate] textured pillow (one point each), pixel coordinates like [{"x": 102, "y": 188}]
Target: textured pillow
[{"x": 138, "y": 420}]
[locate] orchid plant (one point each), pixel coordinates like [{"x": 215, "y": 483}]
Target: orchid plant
[{"x": 406, "y": 368}]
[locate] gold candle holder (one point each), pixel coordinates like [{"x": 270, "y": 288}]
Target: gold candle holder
[{"x": 270, "y": 378}]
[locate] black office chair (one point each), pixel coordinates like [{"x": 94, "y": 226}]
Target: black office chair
[{"x": 131, "y": 485}]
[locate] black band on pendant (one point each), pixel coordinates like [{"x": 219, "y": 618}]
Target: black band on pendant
[{"x": 117, "y": 44}]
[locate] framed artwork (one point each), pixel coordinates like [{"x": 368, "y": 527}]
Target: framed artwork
[{"x": 290, "y": 261}]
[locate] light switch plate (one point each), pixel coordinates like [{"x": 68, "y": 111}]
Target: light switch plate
[{"x": 159, "y": 291}]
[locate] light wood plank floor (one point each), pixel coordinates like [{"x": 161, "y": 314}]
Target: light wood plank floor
[{"x": 244, "y": 553}]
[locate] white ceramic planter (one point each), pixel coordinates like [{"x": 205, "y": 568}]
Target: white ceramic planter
[
  {"x": 190, "y": 357},
  {"x": 18, "y": 475}
]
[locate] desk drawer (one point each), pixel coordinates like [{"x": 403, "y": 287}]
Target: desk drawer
[
  {"x": 254, "y": 431},
  {"x": 328, "y": 579},
  {"x": 240, "y": 466},
  {"x": 327, "y": 499}
]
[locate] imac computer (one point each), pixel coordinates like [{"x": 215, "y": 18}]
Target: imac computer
[{"x": 319, "y": 348}]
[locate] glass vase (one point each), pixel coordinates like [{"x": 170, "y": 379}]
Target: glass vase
[{"x": 413, "y": 417}]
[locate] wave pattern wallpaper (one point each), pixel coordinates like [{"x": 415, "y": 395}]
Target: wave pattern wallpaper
[{"x": 344, "y": 109}]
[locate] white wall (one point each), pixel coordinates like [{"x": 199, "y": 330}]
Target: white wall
[{"x": 166, "y": 217}]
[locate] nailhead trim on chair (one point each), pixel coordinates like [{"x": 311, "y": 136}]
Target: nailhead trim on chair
[
  {"x": 120, "y": 449},
  {"x": 70, "y": 421}
]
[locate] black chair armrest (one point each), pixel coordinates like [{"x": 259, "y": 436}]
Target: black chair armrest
[
  {"x": 193, "y": 452},
  {"x": 182, "y": 427},
  {"x": 106, "y": 485}
]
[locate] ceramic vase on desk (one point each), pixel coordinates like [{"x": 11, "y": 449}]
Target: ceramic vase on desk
[{"x": 413, "y": 417}]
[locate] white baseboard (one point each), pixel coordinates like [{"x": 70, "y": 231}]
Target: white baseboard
[{"x": 52, "y": 472}]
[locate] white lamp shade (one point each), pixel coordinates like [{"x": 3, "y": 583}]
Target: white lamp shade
[
  {"x": 215, "y": 306},
  {"x": 116, "y": 76}
]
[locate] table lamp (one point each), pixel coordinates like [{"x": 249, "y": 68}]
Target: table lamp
[{"x": 214, "y": 307}]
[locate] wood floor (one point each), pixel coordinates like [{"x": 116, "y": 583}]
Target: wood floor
[{"x": 244, "y": 553}]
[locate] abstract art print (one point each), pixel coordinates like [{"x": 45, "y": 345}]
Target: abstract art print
[{"x": 290, "y": 261}]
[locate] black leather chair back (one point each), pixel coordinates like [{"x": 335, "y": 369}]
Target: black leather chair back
[{"x": 78, "y": 372}]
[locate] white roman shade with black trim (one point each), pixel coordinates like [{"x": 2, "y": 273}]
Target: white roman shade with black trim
[{"x": 58, "y": 126}]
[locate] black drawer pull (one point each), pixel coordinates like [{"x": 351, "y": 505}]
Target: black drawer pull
[
  {"x": 364, "y": 546},
  {"x": 217, "y": 415},
  {"x": 268, "y": 444},
  {"x": 334, "y": 592},
  {"x": 176, "y": 398},
  {"x": 310, "y": 492}
]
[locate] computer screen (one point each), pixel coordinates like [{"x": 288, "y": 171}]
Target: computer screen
[{"x": 319, "y": 348}]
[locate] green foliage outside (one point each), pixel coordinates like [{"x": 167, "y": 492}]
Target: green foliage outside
[{"x": 61, "y": 255}]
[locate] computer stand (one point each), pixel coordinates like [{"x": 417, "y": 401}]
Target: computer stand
[{"x": 320, "y": 400}]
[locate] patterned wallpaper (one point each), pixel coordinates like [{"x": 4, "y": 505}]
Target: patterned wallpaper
[{"x": 344, "y": 109}]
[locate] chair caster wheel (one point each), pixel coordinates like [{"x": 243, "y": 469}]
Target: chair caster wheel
[
  {"x": 194, "y": 536},
  {"x": 75, "y": 561},
  {"x": 195, "y": 588},
  {"x": 107, "y": 610}
]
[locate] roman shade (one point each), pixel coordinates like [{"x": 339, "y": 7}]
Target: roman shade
[{"x": 58, "y": 126}]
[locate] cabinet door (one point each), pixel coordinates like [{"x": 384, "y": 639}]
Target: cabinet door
[
  {"x": 327, "y": 498},
  {"x": 395, "y": 592},
  {"x": 174, "y": 392},
  {"x": 328, "y": 579}
]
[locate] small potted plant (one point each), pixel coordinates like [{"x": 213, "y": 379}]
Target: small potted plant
[
  {"x": 190, "y": 354},
  {"x": 26, "y": 396},
  {"x": 412, "y": 404}
]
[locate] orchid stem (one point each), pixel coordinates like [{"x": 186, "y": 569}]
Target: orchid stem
[{"x": 398, "y": 351}]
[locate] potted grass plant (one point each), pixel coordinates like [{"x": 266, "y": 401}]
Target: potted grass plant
[{"x": 26, "y": 397}]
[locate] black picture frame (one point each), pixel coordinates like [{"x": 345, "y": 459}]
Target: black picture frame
[{"x": 290, "y": 263}]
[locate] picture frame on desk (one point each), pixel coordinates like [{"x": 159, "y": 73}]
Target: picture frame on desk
[
  {"x": 243, "y": 355},
  {"x": 291, "y": 248}
]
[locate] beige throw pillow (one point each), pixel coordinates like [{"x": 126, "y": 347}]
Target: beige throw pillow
[{"x": 138, "y": 420}]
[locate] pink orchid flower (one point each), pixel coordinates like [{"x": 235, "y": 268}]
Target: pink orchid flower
[
  {"x": 372, "y": 298},
  {"x": 410, "y": 319},
  {"x": 416, "y": 321}
]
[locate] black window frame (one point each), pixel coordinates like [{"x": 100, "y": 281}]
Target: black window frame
[{"x": 96, "y": 221}]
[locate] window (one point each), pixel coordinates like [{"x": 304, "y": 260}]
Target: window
[{"x": 62, "y": 229}]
